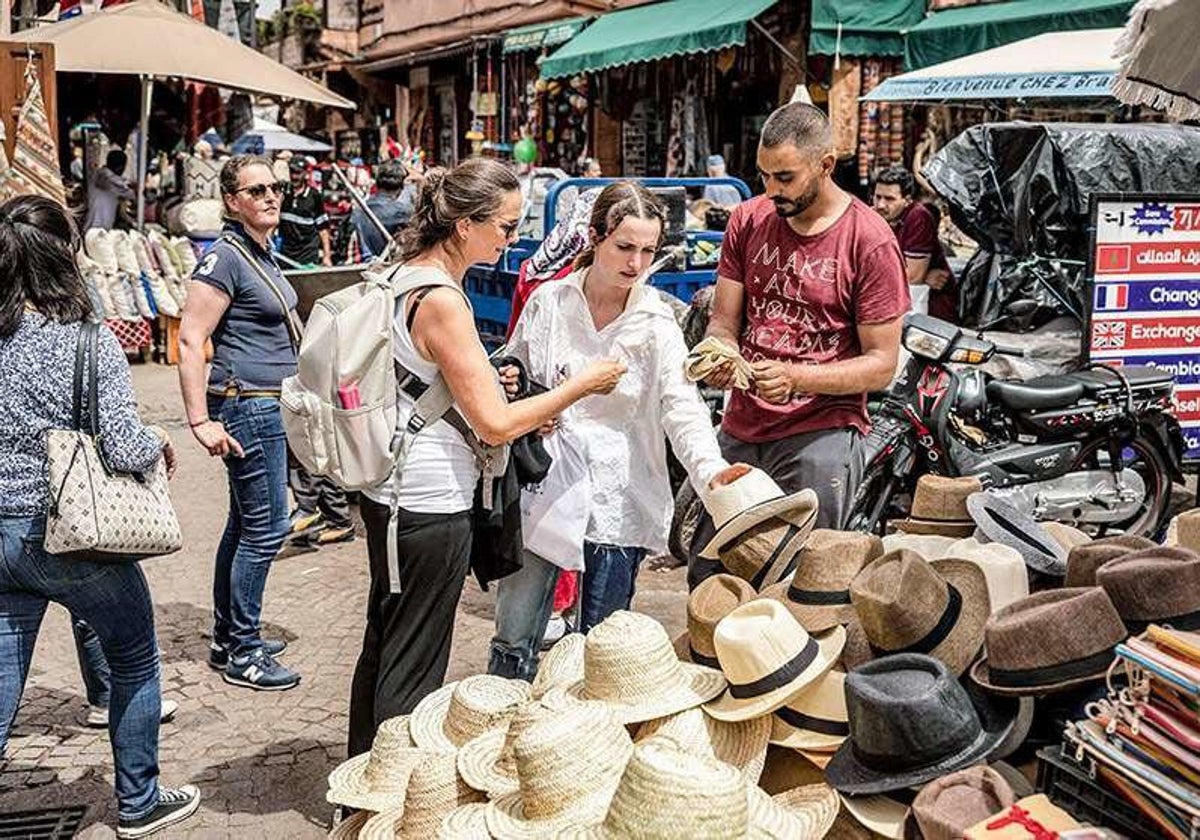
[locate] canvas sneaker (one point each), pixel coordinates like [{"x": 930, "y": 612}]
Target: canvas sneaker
[
  {"x": 174, "y": 805},
  {"x": 259, "y": 670},
  {"x": 218, "y": 654},
  {"x": 334, "y": 534},
  {"x": 97, "y": 716}
]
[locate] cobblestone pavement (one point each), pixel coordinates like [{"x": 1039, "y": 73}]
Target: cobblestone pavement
[{"x": 259, "y": 758}]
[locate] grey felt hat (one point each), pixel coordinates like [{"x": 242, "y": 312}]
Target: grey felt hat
[{"x": 1001, "y": 522}]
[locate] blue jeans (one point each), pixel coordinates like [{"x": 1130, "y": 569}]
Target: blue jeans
[
  {"x": 525, "y": 597},
  {"x": 114, "y": 600},
  {"x": 97, "y": 677},
  {"x": 258, "y": 518}
]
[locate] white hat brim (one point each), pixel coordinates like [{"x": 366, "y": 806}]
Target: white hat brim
[{"x": 756, "y": 515}]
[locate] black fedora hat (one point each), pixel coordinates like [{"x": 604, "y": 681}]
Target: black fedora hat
[{"x": 911, "y": 722}]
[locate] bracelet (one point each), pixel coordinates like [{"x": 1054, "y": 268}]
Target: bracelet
[{"x": 200, "y": 422}]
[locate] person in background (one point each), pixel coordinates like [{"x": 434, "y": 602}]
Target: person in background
[
  {"x": 322, "y": 513},
  {"x": 106, "y": 189},
  {"x": 589, "y": 167},
  {"x": 722, "y": 195},
  {"x": 43, "y": 306},
  {"x": 303, "y": 225},
  {"x": 240, "y": 299},
  {"x": 811, "y": 291},
  {"x": 97, "y": 677},
  {"x": 76, "y": 169},
  {"x": 464, "y": 215},
  {"x": 393, "y": 203},
  {"x": 916, "y": 230}
]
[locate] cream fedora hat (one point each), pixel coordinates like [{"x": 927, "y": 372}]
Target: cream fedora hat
[
  {"x": 630, "y": 665},
  {"x": 814, "y": 720},
  {"x": 742, "y": 744},
  {"x": 751, "y": 500},
  {"x": 456, "y": 713},
  {"x": 930, "y": 546},
  {"x": 1002, "y": 565},
  {"x": 768, "y": 659},
  {"x": 376, "y": 780}
]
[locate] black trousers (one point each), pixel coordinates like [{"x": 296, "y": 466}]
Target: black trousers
[
  {"x": 406, "y": 645},
  {"x": 317, "y": 493}
]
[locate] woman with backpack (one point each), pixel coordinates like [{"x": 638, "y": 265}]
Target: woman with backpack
[
  {"x": 465, "y": 215},
  {"x": 605, "y": 308}
]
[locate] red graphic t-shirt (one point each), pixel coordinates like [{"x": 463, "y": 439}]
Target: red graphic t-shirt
[{"x": 804, "y": 296}]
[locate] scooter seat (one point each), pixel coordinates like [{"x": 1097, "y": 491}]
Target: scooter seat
[{"x": 1047, "y": 392}]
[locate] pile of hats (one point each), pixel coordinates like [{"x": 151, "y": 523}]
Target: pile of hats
[
  {"x": 131, "y": 276},
  {"x": 616, "y": 738}
]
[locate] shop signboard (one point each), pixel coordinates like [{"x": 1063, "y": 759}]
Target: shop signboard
[{"x": 1144, "y": 261}]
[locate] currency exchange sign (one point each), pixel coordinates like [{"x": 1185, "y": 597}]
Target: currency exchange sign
[{"x": 1146, "y": 293}]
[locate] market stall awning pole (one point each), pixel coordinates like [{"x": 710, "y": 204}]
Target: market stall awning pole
[{"x": 142, "y": 163}]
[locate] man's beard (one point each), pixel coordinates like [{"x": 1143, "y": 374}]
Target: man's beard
[{"x": 786, "y": 208}]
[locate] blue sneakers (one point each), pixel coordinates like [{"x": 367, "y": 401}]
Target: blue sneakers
[
  {"x": 218, "y": 655},
  {"x": 259, "y": 670}
]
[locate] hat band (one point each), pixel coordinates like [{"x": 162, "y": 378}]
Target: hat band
[
  {"x": 1187, "y": 621},
  {"x": 1012, "y": 529},
  {"x": 779, "y": 677},
  {"x": 822, "y": 726},
  {"x": 1087, "y": 666},
  {"x": 701, "y": 659},
  {"x": 938, "y": 634},
  {"x": 818, "y": 599},
  {"x": 761, "y": 575}
]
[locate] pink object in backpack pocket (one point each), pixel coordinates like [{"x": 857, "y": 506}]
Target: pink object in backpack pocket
[{"x": 348, "y": 395}]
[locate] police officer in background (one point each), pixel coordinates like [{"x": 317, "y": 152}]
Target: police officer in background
[{"x": 303, "y": 224}]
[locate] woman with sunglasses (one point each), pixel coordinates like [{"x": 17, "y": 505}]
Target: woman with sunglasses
[
  {"x": 240, "y": 299},
  {"x": 463, "y": 216}
]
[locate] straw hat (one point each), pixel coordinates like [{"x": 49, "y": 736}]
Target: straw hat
[
  {"x": 1049, "y": 642},
  {"x": 466, "y": 822},
  {"x": 814, "y": 720},
  {"x": 819, "y": 593},
  {"x": 1084, "y": 560},
  {"x": 568, "y": 767},
  {"x": 434, "y": 790},
  {"x": 1155, "y": 586},
  {"x": 487, "y": 762},
  {"x": 1004, "y": 568},
  {"x": 808, "y": 811},
  {"x": 348, "y": 828},
  {"x": 629, "y": 664},
  {"x": 1065, "y": 535},
  {"x": 560, "y": 666},
  {"x": 375, "y": 780},
  {"x": 768, "y": 658},
  {"x": 947, "y": 807},
  {"x": 939, "y": 507},
  {"x": 458, "y": 712},
  {"x": 742, "y": 744},
  {"x": 877, "y": 813},
  {"x": 751, "y": 500},
  {"x": 907, "y": 605},
  {"x": 929, "y": 546},
  {"x": 715, "y": 598},
  {"x": 1001, "y": 522},
  {"x": 1187, "y": 529}
]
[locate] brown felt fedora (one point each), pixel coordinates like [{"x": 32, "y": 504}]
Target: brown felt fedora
[
  {"x": 1156, "y": 585},
  {"x": 908, "y": 605},
  {"x": 819, "y": 592},
  {"x": 939, "y": 507},
  {"x": 947, "y": 807},
  {"x": 715, "y": 598},
  {"x": 1084, "y": 560},
  {"x": 1049, "y": 642}
]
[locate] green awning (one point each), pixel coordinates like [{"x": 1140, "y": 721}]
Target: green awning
[
  {"x": 539, "y": 35},
  {"x": 868, "y": 27},
  {"x": 971, "y": 29},
  {"x": 659, "y": 30}
]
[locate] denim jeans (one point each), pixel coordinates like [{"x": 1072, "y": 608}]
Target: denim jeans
[
  {"x": 609, "y": 576},
  {"x": 258, "y": 518},
  {"x": 114, "y": 600},
  {"x": 97, "y": 677}
]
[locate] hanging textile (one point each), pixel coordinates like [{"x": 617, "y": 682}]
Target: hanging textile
[
  {"x": 843, "y": 106},
  {"x": 896, "y": 136},
  {"x": 11, "y": 182},
  {"x": 881, "y": 125},
  {"x": 868, "y": 119},
  {"x": 676, "y": 155},
  {"x": 35, "y": 156}
]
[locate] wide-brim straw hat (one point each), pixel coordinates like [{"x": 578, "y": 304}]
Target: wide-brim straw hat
[
  {"x": 1005, "y": 570},
  {"x": 818, "y": 594},
  {"x": 630, "y": 665},
  {"x": 454, "y": 714},
  {"x": 349, "y": 828},
  {"x": 376, "y": 780},
  {"x": 939, "y": 507},
  {"x": 741, "y": 744},
  {"x": 560, "y": 666},
  {"x": 768, "y": 659},
  {"x": 908, "y": 605},
  {"x": 751, "y": 500},
  {"x": 1084, "y": 561},
  {"x": 488, "y": 763},
  {"x": 929, "y": 546},
  {"x": 466, "y": 822},
  {"x": 814, "y": 720},
  {"x": 1049, "y": 642},
  {"x": 568, "y": 767},
  {"x": 1000, "y": 522},
  {"x": 434, "y": 791},
  {"x": 1158, "y": 585},
  {"x": 716, "y": 597}
]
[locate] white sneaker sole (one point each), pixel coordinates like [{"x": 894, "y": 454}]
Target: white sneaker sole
[
  {"x": 247, "y": 684},
  {"x": 159, "y": 824}
]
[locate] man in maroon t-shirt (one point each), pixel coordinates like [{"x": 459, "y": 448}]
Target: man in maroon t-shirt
[
  {"x": 812, "y": 291},
  {"x": 917, "y": 231}
]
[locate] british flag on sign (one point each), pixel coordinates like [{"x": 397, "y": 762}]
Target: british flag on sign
[{"x": 1108, "y": 335}]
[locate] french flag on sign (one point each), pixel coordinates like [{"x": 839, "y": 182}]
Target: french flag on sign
[{"x": 1112, "y": 296}]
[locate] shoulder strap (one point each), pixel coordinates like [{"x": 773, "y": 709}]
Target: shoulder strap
[
  {"x": 87, "y": 347},
  {"x": 77, "y": 385},
  {"x": 419, "y": 296},
  {"x": 289, "y": 319}
]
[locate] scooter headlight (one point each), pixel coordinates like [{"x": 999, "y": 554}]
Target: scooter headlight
[{"x": 925, "y": 344}]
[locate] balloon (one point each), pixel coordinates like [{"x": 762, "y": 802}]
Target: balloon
[{"x": 525, "y": 150}]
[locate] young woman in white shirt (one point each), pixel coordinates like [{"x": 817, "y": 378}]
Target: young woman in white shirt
[{"x": 605, "y": 309}]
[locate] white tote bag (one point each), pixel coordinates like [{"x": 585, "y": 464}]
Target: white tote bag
[{"x": 555, "y": 513}]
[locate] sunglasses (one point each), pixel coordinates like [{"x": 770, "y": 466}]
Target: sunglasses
[{"x": 258, "y": 191}]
